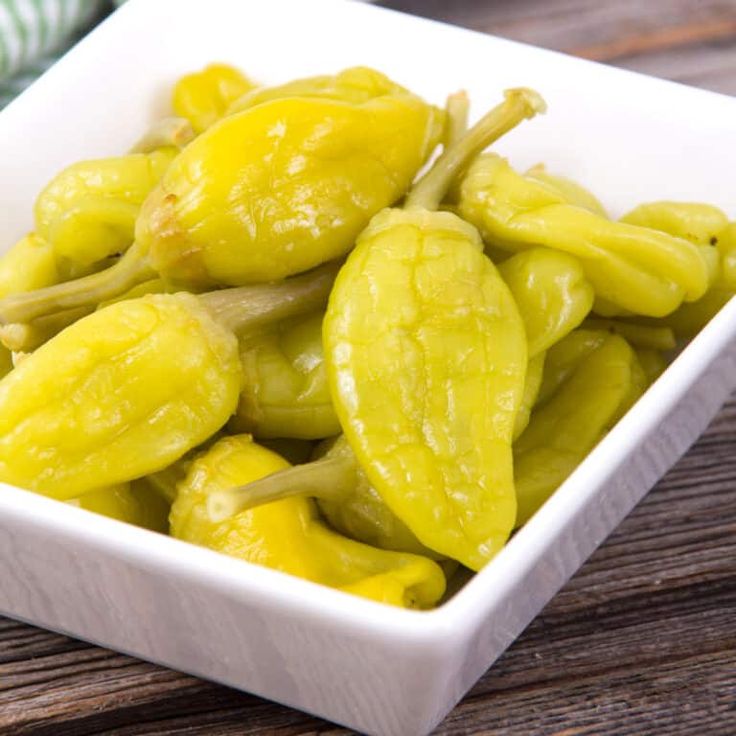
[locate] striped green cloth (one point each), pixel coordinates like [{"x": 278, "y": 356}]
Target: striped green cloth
[{"x": 34, "y": 33}]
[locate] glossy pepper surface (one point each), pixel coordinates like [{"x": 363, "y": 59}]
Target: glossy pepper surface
[
  {"x": 552, "y": 294},
  {"x": 132, "y": 503},
  {"x": 288, "y": 536},
  {"x": 426, "y": 356},
  {"x": 569, "y": 190},
  {"x": 572, "y": 421},
  {"x": 705, "y": 225},
  {"x": 117, "y": 395},
  {"x": 285, "y": 391},
  {"x": 204, "y": 97},
  {"x": 343, "y": 493},
  {"x": 30, "y": 264},
  {"x": 88, "y": 211},
  {"x": 264, "y": 193},
  {"x": 636, "y": 269},
  {"x": 131, "y": 388}
]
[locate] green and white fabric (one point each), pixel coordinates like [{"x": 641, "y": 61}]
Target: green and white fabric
[{"x": 34, "y": 33}]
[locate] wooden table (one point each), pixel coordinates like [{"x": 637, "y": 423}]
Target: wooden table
[{"x": 641, "y": 641}]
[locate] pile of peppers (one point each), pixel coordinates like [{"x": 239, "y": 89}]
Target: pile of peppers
[{"x": 262, "y": 331}]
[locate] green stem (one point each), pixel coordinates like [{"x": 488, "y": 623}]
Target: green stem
[
  {"x": 130, "y": 270},
  {"x": 457, "y": 108},
  {"x": 330, "y": 479},
  {"x": 247, "y": 309},
  {"x": 520, "y": 104}
]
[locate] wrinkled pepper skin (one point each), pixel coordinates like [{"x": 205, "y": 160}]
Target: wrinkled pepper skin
[
  {"x": 426, "y": 358},
  {"x": 282, "y": 187},
  {"x": 122, "y": 393},
  {"x": 288, "y": 536},
  {"x": 568, "y": 189},
  {"x": 693, "y": 221},
  {"x": 267, "y": 192},
  {"x": 88, "y": 211},
  {"x": 30, "y": 264},
  {"x": 132, "y": 503},
  {"x": 705, "y": 225},
  {"x": 637, "y": 269},
  {"x": 204, "y": 97},
  {"x": 285, "y": 391},
  {"x": 552, "y": 294},
  {"x": 571, "y": 423}
]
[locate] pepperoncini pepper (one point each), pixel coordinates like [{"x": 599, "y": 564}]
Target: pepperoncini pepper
[
  {"x": 568, "y": 189},
  {"x": 264, "y": 193},
  {"x": 204, "y": 97},
  {"x": 426, "y": 357},
  {"x": 343, "y": 493},
  {"x": 287, "y": 535},
  {"x": 704, "y": 225},
  {"x": 129, "y": 389},
  {"x": 572, "y": 421},
  {"x": 30, "y": 264},
  {"x": 128, "y": 502},
  {"x": 88, "y": 211},
  {"x": 634, "y": 268},
  {"x": 285, "y": 391},
  {"x": 551, "y": 292}
]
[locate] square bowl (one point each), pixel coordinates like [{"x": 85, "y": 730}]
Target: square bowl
[{"x": 373, "y": 668}]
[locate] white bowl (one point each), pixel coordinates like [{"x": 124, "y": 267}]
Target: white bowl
[{"x": 368, "y": 666}]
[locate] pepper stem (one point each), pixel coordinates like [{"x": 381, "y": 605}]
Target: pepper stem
[
  {"x": 457, "y": 108},
  {"x": 519, "y": 104},
  {"x": 329, "y": 479},
  {"x": 130, "y": 270},
  {"x": 246, "y": 310}
]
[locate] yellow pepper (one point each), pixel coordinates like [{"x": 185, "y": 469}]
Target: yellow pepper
[
  {"x": 288, "y": 536},
  {"x": 572, "y": 421},
  {"x": 355, "y": 85},
  {"x": 132, "y": 503},
  {"x": 30, "y": 264},
  {"x": 129, "y": 389},
  {"x": 88, "y": 211},
  {"x": 285, "y": 391},
  {"x": 705, "y": 225},
  {"x": 532, "y": 386},
  {"x": 552, "y": 294},
  {"x": 568, "y": 189},
  {"x": 348, "y": 501},
  {"x": 652, "y": 362},
  {"x": 267, "y": 192},
  {"x": 562, "y": 360},
  {"x": 652, "y": 334},
  {"x": 203, "y": 97},
  {"x": 426, "y": 357},
  {"x": 635, "y": 268}
]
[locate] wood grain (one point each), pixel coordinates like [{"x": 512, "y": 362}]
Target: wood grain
[{"x": 641, "y": 641}]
